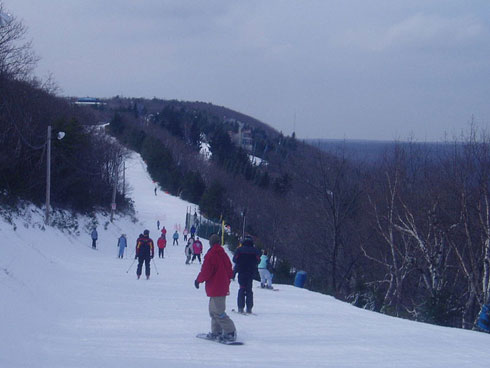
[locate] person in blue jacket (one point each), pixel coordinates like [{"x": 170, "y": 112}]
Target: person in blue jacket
[
  {"x": 122, "y": 244},
  {"x": 246, "y": 259},
  {"x": 265, "y": 268},
  {"x": 94, "y": 236}
]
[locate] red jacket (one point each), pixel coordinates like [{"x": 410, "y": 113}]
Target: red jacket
[
  {"x": 216, "y": 272},
  {"x": 161, "y": 242}
]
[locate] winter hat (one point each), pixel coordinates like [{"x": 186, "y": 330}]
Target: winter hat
[
  {"x": 146, "y": 232},
  {"x": 214, "y": 239},
  {"x": 248, "y": 241}
]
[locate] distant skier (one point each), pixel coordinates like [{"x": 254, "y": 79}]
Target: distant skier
[
  {"x": 265, "y": 268},
  {"x": 193, "y": 231},
  {"x": 122, "y": 244},
  {"x": 188, "y": 250},
  {"x": 216, "y": 272},
  {"x": 144, "y": 252},
  {"x": 94, "y": 236},
  {"x": 155, "y": 190},
  {"x": 176, "y": 238},
  {"x": 162, "y": 243},
  {"x": 164, "y": 232},
  {"x": 185, "y": 233},
  {"x": 246, "y": 259},
  {"x": 158, "y": 224},
  {"x": 196, "y": 250}
]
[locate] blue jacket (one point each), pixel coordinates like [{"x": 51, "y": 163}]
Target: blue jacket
[
  {"x": 94, "y": 234},
  {"x": 121, "y": 243},
  {"x": 264, "y": 260}
]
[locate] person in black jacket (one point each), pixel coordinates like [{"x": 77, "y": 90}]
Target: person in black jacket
[
  {"x": 144, "y": 252},
  {"x": 246, "y": 259}
]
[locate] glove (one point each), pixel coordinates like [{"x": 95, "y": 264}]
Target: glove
[
  {"x": 135, "y": 257},
  {"x": 196, "y": 284}
]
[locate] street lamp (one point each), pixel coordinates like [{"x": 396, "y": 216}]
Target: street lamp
[{"x": 59, "y": 136}]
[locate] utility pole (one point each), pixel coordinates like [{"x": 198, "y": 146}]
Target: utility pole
[
  {"x": 48, "y": 175},
  {"x": 114, "y": 190},
  {"x": 124, "y": 179}
]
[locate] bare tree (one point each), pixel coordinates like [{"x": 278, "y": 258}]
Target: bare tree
[{"x": 16, "y": 56}]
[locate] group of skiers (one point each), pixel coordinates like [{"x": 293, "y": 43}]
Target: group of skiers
[
  {"x": 193, "y": 249},
  {"x": 217, "y": 272}
]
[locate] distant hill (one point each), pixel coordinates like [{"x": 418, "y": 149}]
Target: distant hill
[{"x": 371, "y": 151}]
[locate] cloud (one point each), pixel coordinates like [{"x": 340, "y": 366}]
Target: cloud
[{"x": 418, "y": 31}]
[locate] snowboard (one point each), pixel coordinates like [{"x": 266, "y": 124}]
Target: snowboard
[
  {"x": 273, "y": 289},
  {"x": 204, "y": 337}
]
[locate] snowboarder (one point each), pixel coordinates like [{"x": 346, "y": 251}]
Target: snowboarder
[
  {"x": 176, "y": 238},
  {"x": 216, "y": 272},
  {"x": 144, "y": 253},
  {"x": 193, "y": 231},
  {"x": 188, "y": 250},
  {"x": 185, "y": 233},
  {"x": 122, "y": 244},
  {"x": 196, "y": 250},
  {"x": 94, "y": 236},
  {"x": 265, "y": 268},
  {"x": 246, "y": 259},
  {"x": 162, "y": 243}
]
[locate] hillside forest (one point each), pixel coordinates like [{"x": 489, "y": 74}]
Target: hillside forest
[{"x": 406, "y": 234}]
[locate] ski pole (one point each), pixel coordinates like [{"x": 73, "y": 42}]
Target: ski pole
[
  {"x": 131, "y": 265},
  {"x": 155, "y": 265}
]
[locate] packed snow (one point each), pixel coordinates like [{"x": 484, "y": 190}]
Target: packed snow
[{"x": 64, "y": 304}]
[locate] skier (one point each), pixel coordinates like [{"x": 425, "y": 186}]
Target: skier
[
  {"x": 122, "y": 244},
  {"x": 94, "y": 236},
  {"x": 176, "y": 238},
  {"x": 185, "y": 233},
  {"x": 265, "y": 268},
  {"x": 188, "y": 250},
  {"x": 158, "y": 224},
  {"x": 164, "y": 232},
  {"x": 193, "y": 231},
  {"x": 196, "y": 250},
  {"x": 144, "y": 253},
  {"x": 246, "y": 259},
  {"x": 216, "y": 272},
  {"x": 162, "y": 243}
]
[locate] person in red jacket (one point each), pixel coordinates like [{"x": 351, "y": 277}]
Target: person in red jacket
[
  {"x": 216, "y": 272},
  {"x": 162, "y": 243}
]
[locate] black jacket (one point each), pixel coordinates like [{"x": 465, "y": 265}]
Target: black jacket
[
  {"x": 144, "y": 247},
  {"x": 246, "y": 259}
]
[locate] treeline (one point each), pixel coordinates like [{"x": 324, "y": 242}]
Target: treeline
[
  {"x": 407, "y": 234},
  {"x": 83, "y": 163}
]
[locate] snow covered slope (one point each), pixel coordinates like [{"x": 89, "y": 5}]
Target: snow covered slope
[{"x": 63, "y": 304}]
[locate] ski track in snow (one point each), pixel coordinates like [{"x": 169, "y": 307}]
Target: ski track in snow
[{"x": 65, "y": 305}]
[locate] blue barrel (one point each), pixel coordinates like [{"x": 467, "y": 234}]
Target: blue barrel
[
  {"x": 300, "y": 279},
  {"x": 484, "y": 318}
]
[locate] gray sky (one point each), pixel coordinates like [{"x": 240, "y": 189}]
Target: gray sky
[{"x": 356, "y": 69}]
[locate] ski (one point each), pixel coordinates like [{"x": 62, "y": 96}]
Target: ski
[
  {"x": 244, "y": 313},
  {"x": 204, "y": 336}
]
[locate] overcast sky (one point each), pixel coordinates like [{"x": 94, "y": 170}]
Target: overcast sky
[{"x": 353, "y": 69}]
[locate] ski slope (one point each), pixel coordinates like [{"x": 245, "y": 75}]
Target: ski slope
[{"x": 63, "y": 304}]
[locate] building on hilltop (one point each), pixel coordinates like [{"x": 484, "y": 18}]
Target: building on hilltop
[
  {"x": 89, "y": 101},
  {"x": 243, "y": 138}
]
